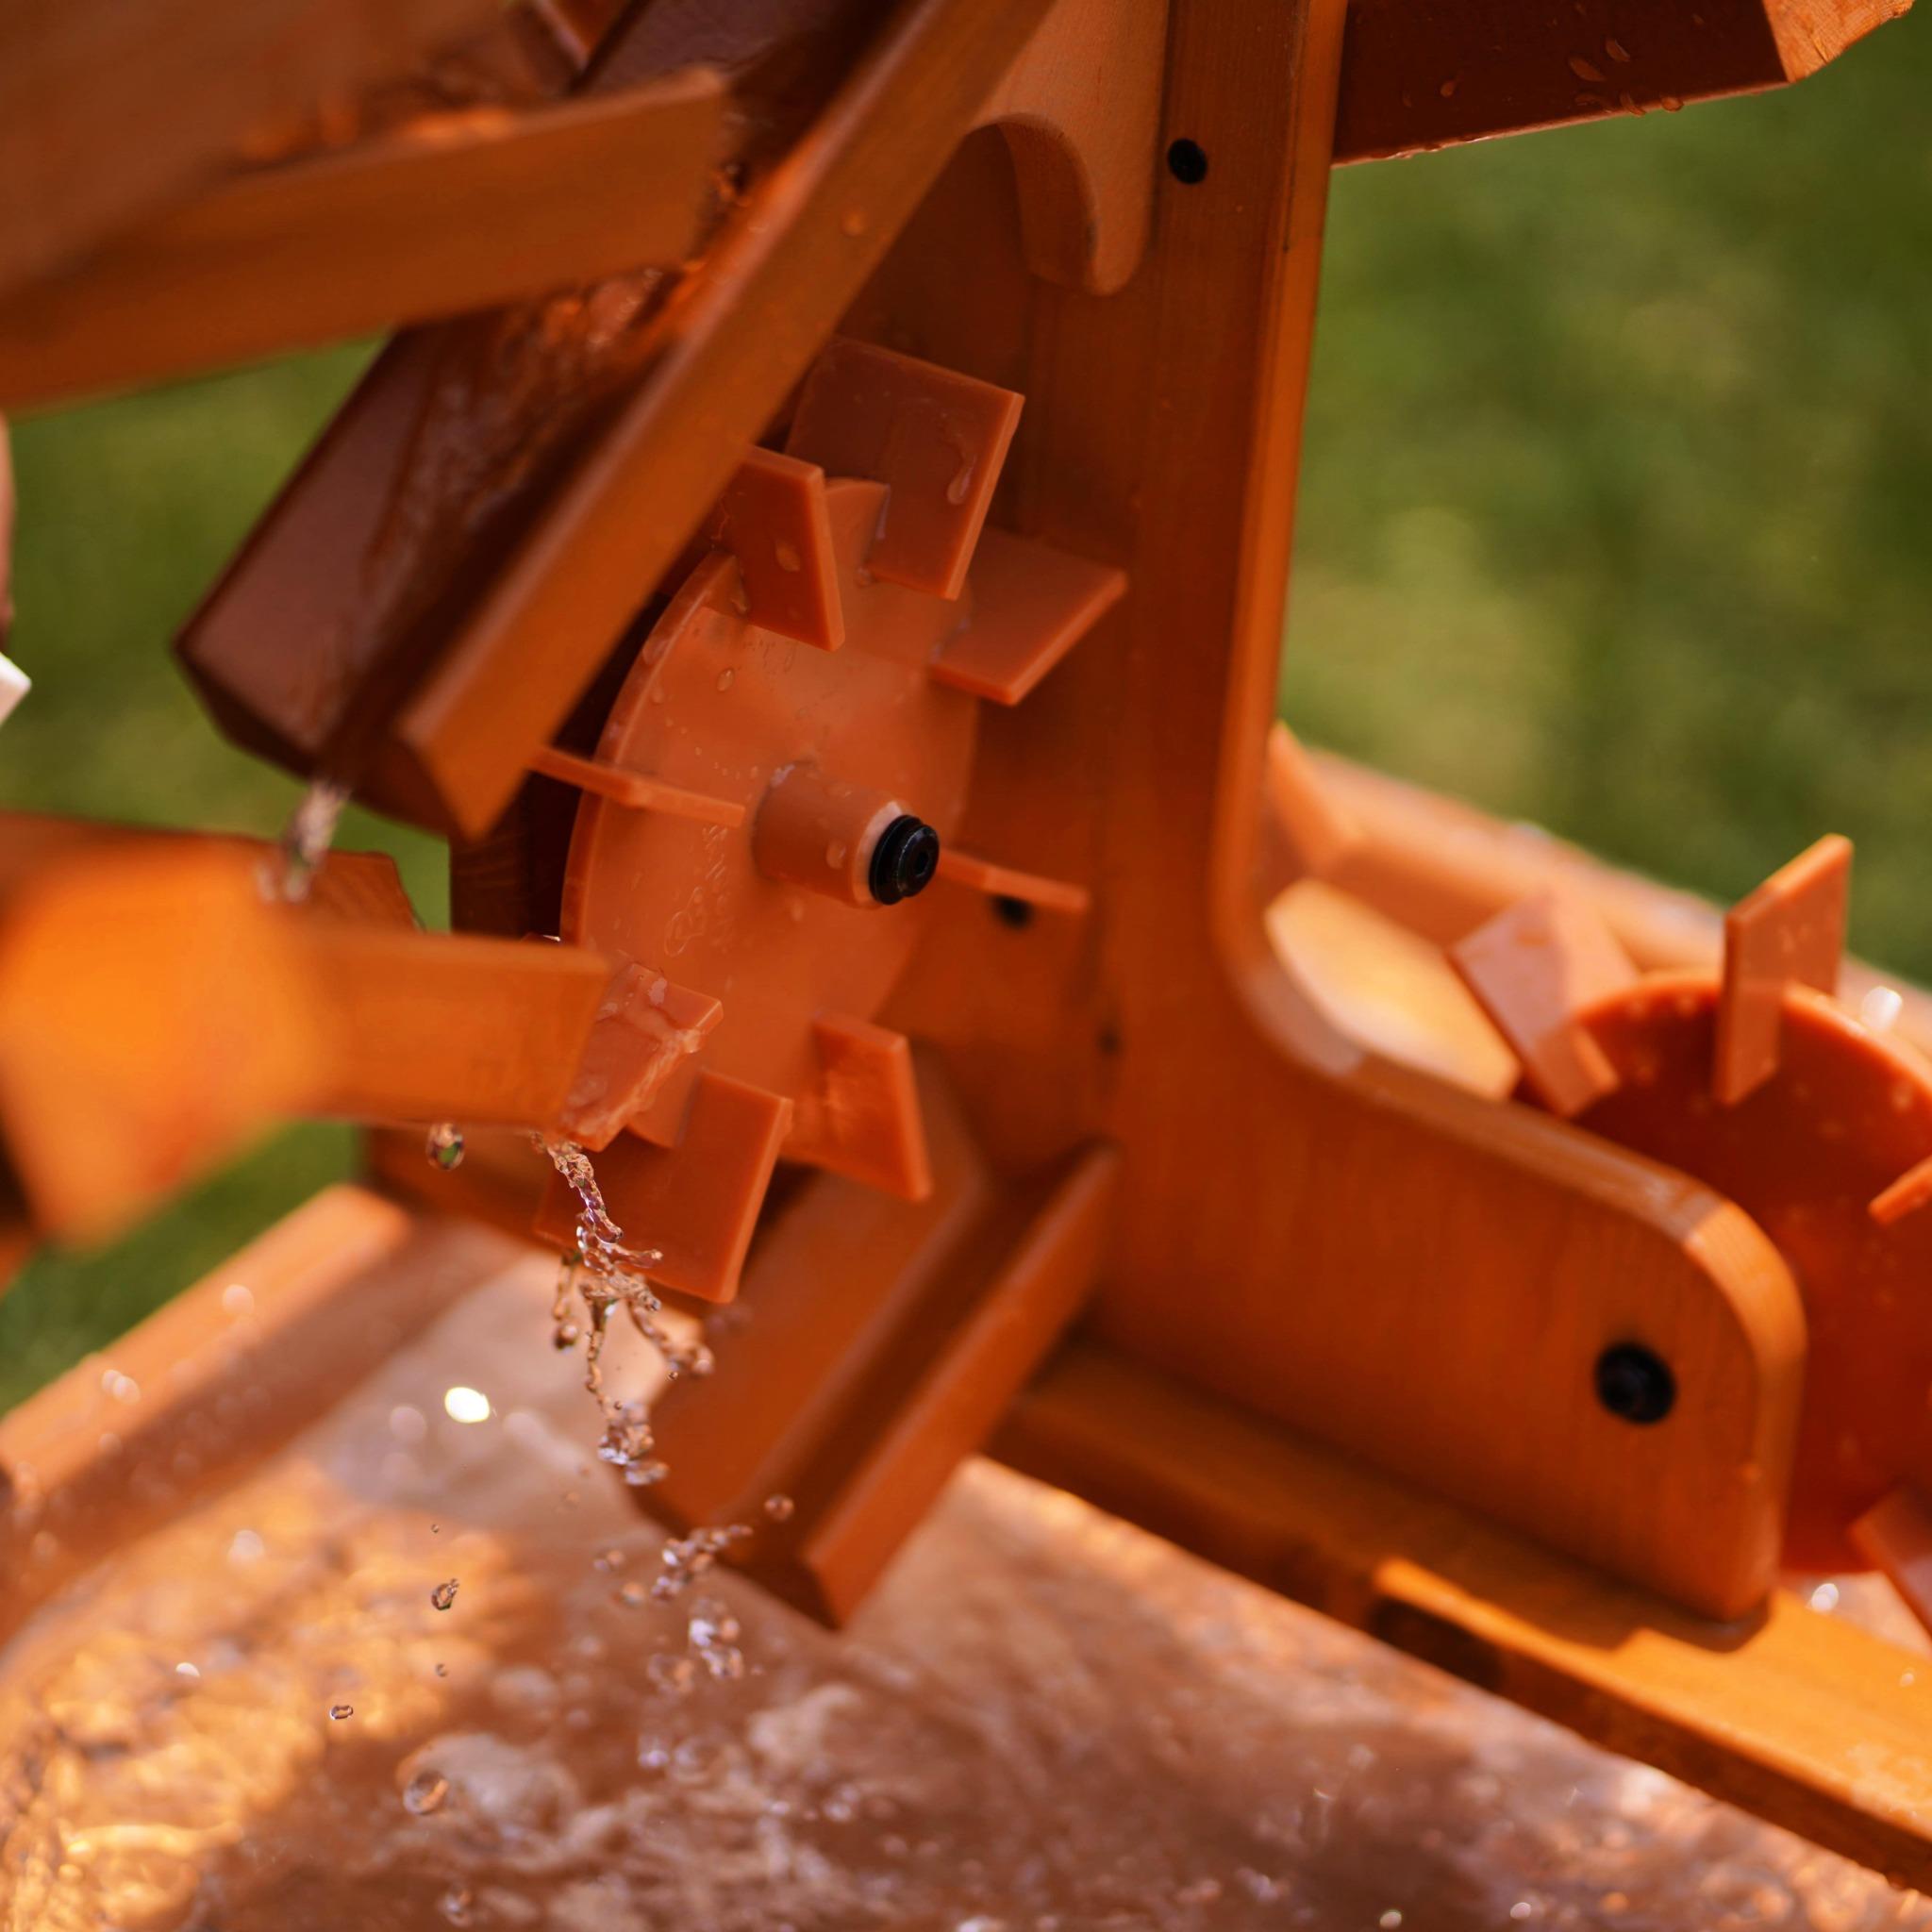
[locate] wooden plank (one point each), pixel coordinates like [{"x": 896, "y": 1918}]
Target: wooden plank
[
  {"x": 1805, "y": 1720},
  {"x": 461, "y": 212},
  {"x": 107, "y": 107},
  {"x": 1418, "y": 78},
  {"x": 731, "y": 346}
]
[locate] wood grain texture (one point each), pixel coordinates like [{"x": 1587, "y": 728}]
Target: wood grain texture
[
  {"x": 733, "y": 343},
  {"x": 1803, "y": 1719},
  {"x": 1421, "y": 76},
  {"x": 1367, "y": 1253},
  {"x": 461, "y": 212},
  {"x": 110, "y": 106}
]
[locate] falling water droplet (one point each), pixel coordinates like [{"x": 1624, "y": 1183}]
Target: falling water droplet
[
  {"x": 424, "y": 1793},
  {"x": 444, "y": 1595},
  {"x": 444, "y": 1146}
]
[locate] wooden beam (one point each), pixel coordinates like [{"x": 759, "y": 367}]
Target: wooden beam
[
  {"x": 730, "y": 346},
  {"x": 1416, "y": 77},
  {"x": 107, "y": 107},
  {"x": 1805, "y": 1720},
  {"x": 461, "y": 213}
]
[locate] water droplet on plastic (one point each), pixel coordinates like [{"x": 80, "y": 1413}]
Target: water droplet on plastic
[
  {"x": 835, "y": 852},
  {"x": 779, "y": 1509},
  {"x": 854, "y": 223},
  {"x": 339, "y": 1712},
  {"x": 456, "y": 1903},
  {"x": 725, "y": 678},
  {"x": 444, "y": 1595},
  {"x": 788, "y": 559},
  {"x": 424, "y": 1793},
  {"x": 444, "y": 1146},
  {"x": 1585, "y": 70}
]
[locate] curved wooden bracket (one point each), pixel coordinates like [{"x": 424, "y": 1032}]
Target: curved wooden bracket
[{"x": 1081, "y": 110}]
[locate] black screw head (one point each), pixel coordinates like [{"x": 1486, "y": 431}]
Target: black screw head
[
  {"x": 903, "y": 860},
  {"x": 1635, "y": 1383},
  {"x": 1187, "y": 161}
]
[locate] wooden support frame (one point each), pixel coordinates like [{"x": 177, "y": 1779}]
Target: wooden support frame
[
  {"x": 1807, "y": 1720},
  {"x": 462, "y": 212}
]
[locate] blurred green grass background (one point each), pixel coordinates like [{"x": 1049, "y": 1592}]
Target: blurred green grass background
[{"x": 1612, "y": 517}]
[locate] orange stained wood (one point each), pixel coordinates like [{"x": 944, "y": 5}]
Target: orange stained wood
[
  {"x": 1461, "y": 69},
  {"x": 222, "y": 1376},
  {"x": 1894, "y": 1536},
  {"x": 135, "y": 967},
  {"x": 107, "y": 107},
  {"x": 743, "y": 331},
  {"x": 1790, "y": 932},
  {"x": 1534, "y": 968},
  {"x": 1380, "y": 985},
  {"x": 1364, "y": 1250},
  {"x": 459, "y": 213},
  {"x": 1080, "y": 112},
  {"x": 1306, "y": 833},
  {"x": 884, "y": 1338},
  {"x": 1801, "y": 1718}
]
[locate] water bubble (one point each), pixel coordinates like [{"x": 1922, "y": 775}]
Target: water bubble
[
  {"x": 779, "y": 1509},
  {"x": 444, "y": 1595},
  {"x": 710, "y": 1622},
  {"x": 426, "y": 1792},
  {"x": 633, "y": 1595},
  {"x": 187, "y": 1674},
  {"x": 673, "y": 1675},
  {"x": 339, "y": 1712},
  {"x": 654, "y": 1754},
  {"x": 1389, "y": 1919},
  {"x": 641, "y": 1476},
  {"x": 456, "y": 1903},
  {"x": 246, "y": 1547},
  {"x": 566, "y": 1335},
  {"x": 788, "y": 559},
  {"x": 444, "y": 1146}
]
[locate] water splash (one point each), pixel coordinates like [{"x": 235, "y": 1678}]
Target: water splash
[{"x": 305, "y": 842}]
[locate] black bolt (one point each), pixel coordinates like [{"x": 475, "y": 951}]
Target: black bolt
[
  {"x": 1635, "y": 1383},
  {"x": 903, "y": 860},
  {"x": 1187, "y": 161}
]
